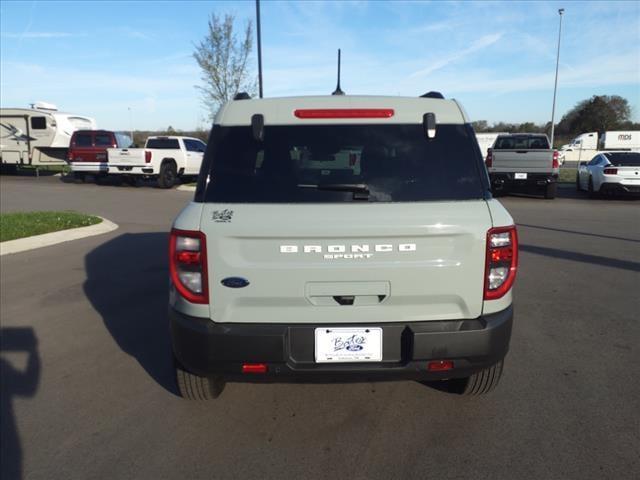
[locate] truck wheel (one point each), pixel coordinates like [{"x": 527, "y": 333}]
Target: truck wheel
[
  {"x": 578, "y": 183},
  {"x": 550, "y": 191},
  {"x": 195, "y": 387},
  {"x": 168, "y": 175},
  {"x": 479, "y": 383}
]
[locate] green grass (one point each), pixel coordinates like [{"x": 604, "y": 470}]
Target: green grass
[
  {"x": 27, "y": 224},
  {"x": 567, "y": 175}
]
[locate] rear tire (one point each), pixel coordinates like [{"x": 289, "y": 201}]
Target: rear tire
[
  {"x": 168, "y": 174},
  {"x": 578, "y": 187},
  {"x": 550, "y": 191},
  {"x": 195, "y": 387},
  {"x": 480, "y": 383}
]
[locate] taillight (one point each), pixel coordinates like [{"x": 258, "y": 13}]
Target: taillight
[
  {"x": 188, "y": 265},
  {"x": 70, "y": 155},
  {"x": 610, "y": 171},
  {"x": 147, "y": 156},
  {"x": 489, "y": 161},
  {"x": 556, "y": 163},
  {"x": 502, "y": 261},
  {"x": 352, "y": 159}
]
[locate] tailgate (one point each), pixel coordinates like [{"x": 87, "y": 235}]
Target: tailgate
[
  {"x": 529, "y": 161},
  {"x": 125, "y": 156},
  {"x": 355, "y": 263}
]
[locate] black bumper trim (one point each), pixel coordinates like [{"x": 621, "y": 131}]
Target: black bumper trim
[
  {"x": 208, "y": 348},
  {"x": 505, "y": 181}
]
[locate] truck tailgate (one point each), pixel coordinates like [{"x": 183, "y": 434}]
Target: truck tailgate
[
  {"x": 529, "y": 161},
  {"x": 353, "y": 263},
  {"x": 125, "y": 156}
]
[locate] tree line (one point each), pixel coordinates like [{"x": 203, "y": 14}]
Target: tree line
[{"x": 600, "y": 113}]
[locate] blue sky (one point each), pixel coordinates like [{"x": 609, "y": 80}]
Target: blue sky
[{"x": 103, "y": 58}]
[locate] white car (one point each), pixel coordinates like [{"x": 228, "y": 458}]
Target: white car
[{"x": 610, "y": 172}]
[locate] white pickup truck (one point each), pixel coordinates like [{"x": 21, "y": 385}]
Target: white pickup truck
[
  {"x": 523, "y": 162},
  {"x": 163, "y": 158}
]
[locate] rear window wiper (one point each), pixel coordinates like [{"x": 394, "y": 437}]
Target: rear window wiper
[{"x": 360, "y": 190}]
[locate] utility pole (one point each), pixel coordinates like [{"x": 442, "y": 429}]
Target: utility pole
[
  {"x": 555, "y": 87},
  {"x": 259, "y": 47}
]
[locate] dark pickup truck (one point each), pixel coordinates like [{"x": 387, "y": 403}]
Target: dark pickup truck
[{"x": 523, "y": 163}]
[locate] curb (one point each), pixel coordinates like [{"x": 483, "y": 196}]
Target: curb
[
  {"x": 186, "y": 188},
  {"x": 53, "y": 238}
]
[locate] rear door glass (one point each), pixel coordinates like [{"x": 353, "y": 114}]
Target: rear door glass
[
  {"x": 103, "y": 140},
  {"x": 395, "y": 163},
  {"x": 521, "y": 142},
  {"x": 84, "y": 139},
  {"x": 163, "y": 143}
]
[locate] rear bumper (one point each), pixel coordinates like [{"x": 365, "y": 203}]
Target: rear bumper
[
  {"x": 133, "y": 169},
  {"x": 620, "y": 188},
  {"x": 208, "y": 348},
  {"x": 89, "y": 167},
  {"x": 506, "y": 181}
]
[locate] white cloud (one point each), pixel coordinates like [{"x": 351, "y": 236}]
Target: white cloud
[{"x": 479, "y": 44}]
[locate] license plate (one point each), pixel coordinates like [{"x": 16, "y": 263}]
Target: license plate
[
  {"x": 101, "y": 156},
  {"x": 520, "y": 176},
  {"x": 348, "y": 345}
]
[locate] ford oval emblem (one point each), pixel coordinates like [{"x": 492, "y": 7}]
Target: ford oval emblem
[{"x": 235, "y": 282}]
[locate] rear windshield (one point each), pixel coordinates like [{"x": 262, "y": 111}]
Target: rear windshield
[
  {"x": 163, "y": 143},
  {"x": 624, "y": 159},
  {"x": 103, "y": 140},
  {"x": 341, "y": 163},
  {"x": 83, "y": 139},
  {"x": 522, "y": 142}
]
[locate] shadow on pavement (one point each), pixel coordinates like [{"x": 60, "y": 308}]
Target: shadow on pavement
[
  {"x": 575, "y": 232},
  {"x": 581, "y": 257},
  {"x": 15, "y": 382},
  {"x": 127, "y": 283}
]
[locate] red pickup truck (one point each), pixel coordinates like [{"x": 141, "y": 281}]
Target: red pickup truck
[{"x": 88, "y": 150}]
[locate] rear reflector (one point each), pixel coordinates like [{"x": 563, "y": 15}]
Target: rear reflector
[
  {"x": 254, "y": 368},
  {"x": 440, "y": 366},
  {"x": 345, "y": 113}
]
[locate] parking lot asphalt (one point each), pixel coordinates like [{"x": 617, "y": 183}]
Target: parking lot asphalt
[{"x": 87, "y": 387}]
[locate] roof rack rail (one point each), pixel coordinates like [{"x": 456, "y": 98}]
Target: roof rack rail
[
  {"x": 241, "y": 96},
  {"x": 432, "y": 94}
]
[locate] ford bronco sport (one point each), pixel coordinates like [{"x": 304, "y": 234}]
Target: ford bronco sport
[{"x": 342, "y": 238}]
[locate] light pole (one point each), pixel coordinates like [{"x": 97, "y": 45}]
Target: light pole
[
  {"x": 555, "y": 87},
  {"x": 259, "y": 47}
]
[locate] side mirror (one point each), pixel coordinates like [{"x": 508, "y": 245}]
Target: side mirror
[
  {"x": 257, "y": 126},
  {"x": 429, "y": 125}
]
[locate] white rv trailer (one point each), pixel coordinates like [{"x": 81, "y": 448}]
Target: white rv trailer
[{"x": 39, "y": 135}]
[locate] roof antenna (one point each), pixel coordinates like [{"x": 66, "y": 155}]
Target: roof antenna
[{"x": 337, "y": 90}]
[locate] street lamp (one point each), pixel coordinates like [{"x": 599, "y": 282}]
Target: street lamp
[{"x": 555, "y": 87}]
